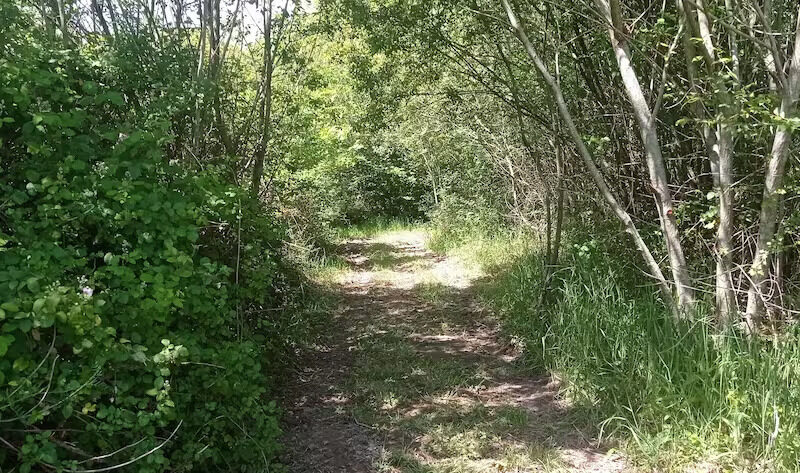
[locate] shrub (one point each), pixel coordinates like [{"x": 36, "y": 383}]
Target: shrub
[{"x": 123, "y": 331}]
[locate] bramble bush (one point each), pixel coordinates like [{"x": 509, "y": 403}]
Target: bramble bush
[{"x": 140, "y": 298}]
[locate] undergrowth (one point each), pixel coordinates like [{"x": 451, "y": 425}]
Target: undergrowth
[
  {"x": 677, "y": 394},
  {"x": 146, "y": 303}
]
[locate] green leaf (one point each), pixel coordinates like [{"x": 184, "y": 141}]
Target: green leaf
[
  {"x": 10, "y": 307},
  {"x": 20, "y": 364},
  {"x": 5, "y": 342},
  {"x": 139, "y": 356},
  {"x": 38, "y": 304},
  {"x": 25, "y": 325},
  {"x": 115, "y": 98}
]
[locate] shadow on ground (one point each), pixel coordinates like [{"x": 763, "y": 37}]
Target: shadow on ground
[{"x": 413, "y": 377}]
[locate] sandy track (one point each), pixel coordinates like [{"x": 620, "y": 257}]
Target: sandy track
[{"x": 461, "y": 403}]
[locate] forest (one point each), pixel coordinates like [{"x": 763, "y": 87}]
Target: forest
[{"x": 399, "y": 236}]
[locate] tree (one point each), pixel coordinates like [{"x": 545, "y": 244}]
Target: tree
[{"x": 588, "y": 160}]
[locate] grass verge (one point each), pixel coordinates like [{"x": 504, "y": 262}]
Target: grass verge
[{"x": 679, "y": 396}]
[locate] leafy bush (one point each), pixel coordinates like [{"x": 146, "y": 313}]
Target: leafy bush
[{"x": 134, "y": 291}]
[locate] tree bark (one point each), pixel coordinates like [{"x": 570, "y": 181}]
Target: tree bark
[
  {"x": 588, "y": 159},
  {"x": 266, "y": 108},
  {"x": 202, "y": 12},
  {"x": 63, "y": 22},
  {"x": 610, "y": 11},
  {"x": 718, "y": 143},
  {"x": 113, "y": 17},
  {"x": 98, "y": 11},
  {"x": 776, "y": 168},
  {"x": 559, "y": 205}
]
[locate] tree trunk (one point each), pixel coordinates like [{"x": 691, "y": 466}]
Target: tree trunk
[
  {"x": 776, "y": 167},
  {"x": 113, "y": 16},
  {"x": 655, "y": 161},
  {"x": 98, "y": 11},
  {"x": 588, "y": 160},
  {"x": 47, "y": 19},
  {"x": 202, "y": 12},
  {"x": 63, "y": 22},
  {"x": 559, "y": 205},
  {"x": 719, "y": 148},
  {"x": 266, "y": 109},
  {"x": 723, "y": 177}
]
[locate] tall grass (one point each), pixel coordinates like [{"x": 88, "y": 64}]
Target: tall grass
[{"x": 676, "y": 393}]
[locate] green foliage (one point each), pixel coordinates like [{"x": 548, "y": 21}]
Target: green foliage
[
  {"x": 136, "y": 292},
  {"x": 342, "y": 165}
]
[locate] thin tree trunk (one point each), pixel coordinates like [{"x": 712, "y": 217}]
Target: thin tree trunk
[
  {"x": 559, "y": 205},
  {"x": 588, "y": 160},
  {"x": 266, "y": 110},
  {"x": 47, "y": 18},
  {"x": 63, "y": 24},
  {"x": 113, "y": 16},
  {"x": 724, "y": 294},
  {"x": 202, "y": 11},
  {"x": 548, "y": 230},
  {"x": 732, "y": 44},
  {"x": 610, "y": 11},
  {"x": 719, "y": 148},
  {"x": 215, "y": 59},
  {"x": 179, "y": 17},
  {"x": 776, "y": 168},
  {"x": 722, "y": 153},
  {"x": 98, "y": 11},
  {"x": 512, "y": 84}
]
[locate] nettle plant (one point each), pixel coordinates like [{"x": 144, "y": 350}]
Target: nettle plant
[{"x": 121, "y": 335}]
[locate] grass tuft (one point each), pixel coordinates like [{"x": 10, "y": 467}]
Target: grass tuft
[{"x": 677, "y": 394}]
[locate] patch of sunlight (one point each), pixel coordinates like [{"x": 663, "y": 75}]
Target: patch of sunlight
[
  {"x": 532, "y": 458},
  {"x": 417, "y": 265},
  {"x": 387, "y": 277},
  {"x": 390, "y": 256},
  {"x": 448, "y": 440},
  {"x": 389, "y": 402},
  {"x": 432, "y": 291},
  {"x": 374, "y": 228},
  {"x": 512, "y": 460},
  {"x": 328, "y": 271},
  {"x": 418, "y": 372},
  {"x": 485, "y": 255},
  {"x": 404, "y": 236},
  {"x": 453, "y": 272}
]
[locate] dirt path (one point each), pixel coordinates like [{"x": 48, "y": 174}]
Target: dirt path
[{"x": 413, "y": 378}]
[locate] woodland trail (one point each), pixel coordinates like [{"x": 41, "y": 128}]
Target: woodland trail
[{"x": 413, "y": 377}]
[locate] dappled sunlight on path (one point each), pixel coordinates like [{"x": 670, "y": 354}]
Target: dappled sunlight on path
[{"x": 413, "y": 377}]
